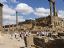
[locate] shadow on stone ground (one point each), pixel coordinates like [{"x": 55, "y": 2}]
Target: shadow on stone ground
[
  {"x": 57, "y": 43},
  {"x": 21, "y": 47}
]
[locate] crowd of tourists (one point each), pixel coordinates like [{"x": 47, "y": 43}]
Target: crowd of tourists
[{"x": 28, "y": 33}]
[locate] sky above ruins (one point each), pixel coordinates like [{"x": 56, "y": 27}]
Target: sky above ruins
[{"x": 28, "y": 9}]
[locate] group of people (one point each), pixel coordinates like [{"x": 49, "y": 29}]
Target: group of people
[
  {"x": 43, "y": 33},
  {"x": 20, "y": 35},
  {"x": 27, "y": 33}
]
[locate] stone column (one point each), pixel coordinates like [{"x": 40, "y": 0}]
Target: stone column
[
  {"x": 29, "y": 41},
  {"x": 1, "y": 17},
  {"x": 50, "y": 2},
  {"x": 54, "y": 9},
  {"x": 16, "y": 21}
]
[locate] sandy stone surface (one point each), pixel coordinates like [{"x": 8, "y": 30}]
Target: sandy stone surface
[{"x": 7, "y": 42}]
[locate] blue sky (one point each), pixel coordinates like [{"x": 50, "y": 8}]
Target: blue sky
[
  {"x": 29, "y": 9},
  {"x": 37, "y": 3}
]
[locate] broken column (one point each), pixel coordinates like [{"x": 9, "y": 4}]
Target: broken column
[
  {"x": 50, "y": 2},
  {"x": 16, "y": 21},
  {"x": 54, "y": 9},
  {"x": 1, "y": 17},
  {"x": 29, "y": 41}
]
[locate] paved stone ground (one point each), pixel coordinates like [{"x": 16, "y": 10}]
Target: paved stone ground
[{"x": 7, "y": 42}]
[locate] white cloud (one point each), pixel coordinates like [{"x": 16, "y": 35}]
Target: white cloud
[
  {"x": 41, "y": 12},
  {"x": 20, "y": 18},
  {"x": 24, "y": 8},
  {"x": 2, "y": 1},
  {"x": 7, "y": 10},
  {"x": 61, "y": 13},
  {"x": 14, "y": 1},
  {"x": 8, "y": 17}
]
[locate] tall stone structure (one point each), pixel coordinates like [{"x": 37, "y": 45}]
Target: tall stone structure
[
  {"x": 53, "y": 13},
  {"x": 52, "y": 8},
  {"x": 1, "y": 17},
  {"x": 16, "y": 20}
]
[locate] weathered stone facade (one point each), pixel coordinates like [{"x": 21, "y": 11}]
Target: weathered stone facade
[
  {"x": 49, "y": 23},
  {"x": 53, "y": 23}
]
